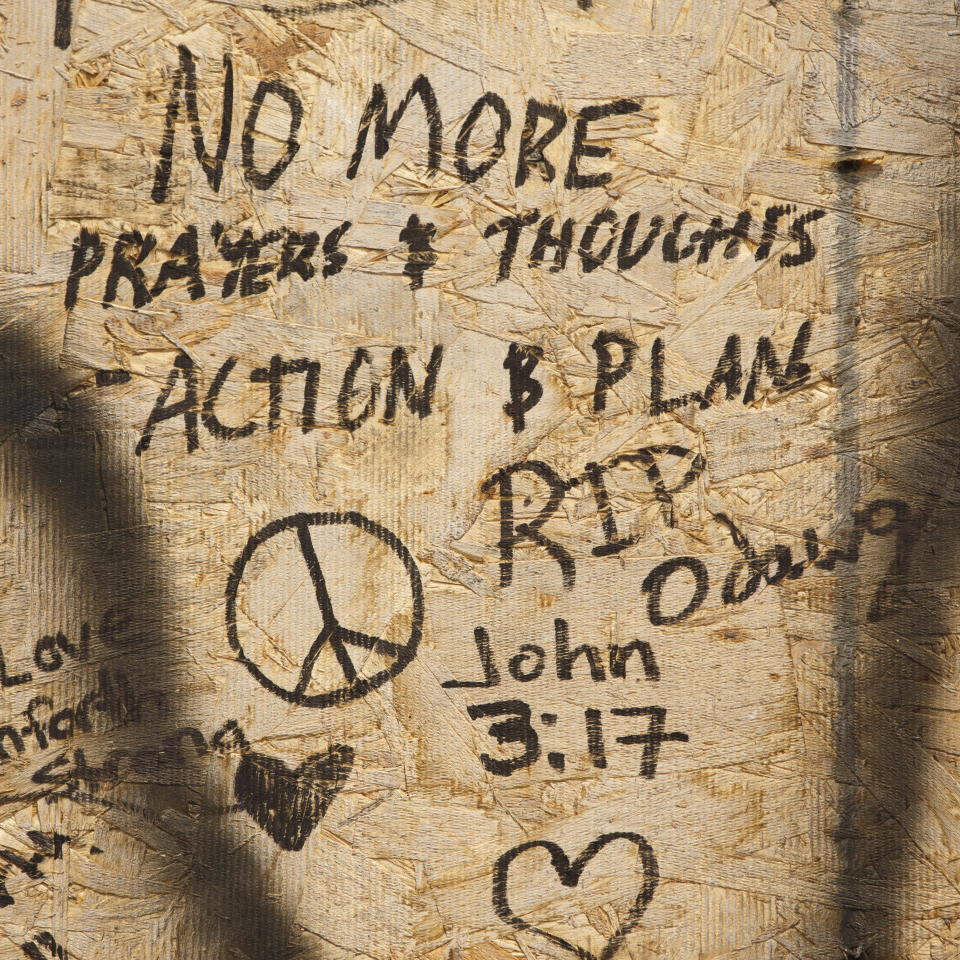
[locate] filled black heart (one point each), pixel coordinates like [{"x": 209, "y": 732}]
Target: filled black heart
[
  {"x": 569, "y": 874},
  {"x": 288, "y": 804}
]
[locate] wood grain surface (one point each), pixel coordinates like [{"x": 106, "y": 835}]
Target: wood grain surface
[{"x": 478, "y": 480}]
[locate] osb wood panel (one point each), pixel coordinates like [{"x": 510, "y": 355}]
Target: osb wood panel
[{"x": 478, "y": 479}]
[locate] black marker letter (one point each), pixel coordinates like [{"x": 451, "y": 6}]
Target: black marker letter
[
  {"x": 512, "y": 534},
  {"x": 657, "y": 579},
  {"x": 422, "y": 257},
  {"x": 376, "y": 111},
  {"x": 186, "y": 408},
  {"x": 210, "y": 419},
  {"x": 263, "y": 181},
  {"x": 656, "y": 735},
  {"x": 582, "y": 181},
  {"x": 609, "y": 373},
  {"x": 627, "y": 258},
  {"x": 419, "y": 400},
  {"x": 491, "y": 675},
  {"x": 769, "y": 234},
  {"x": 531, "y": 154},
  {"x": 517, "y": 729},
  {"x": 13, "y": 679},
  {"x": 130, "y": 250},
  {"x": 798, "y": 232},
  {"x": 274, "y": 374},
  {"x": 347, "y": 392},
  {"x": 88, "y": 251},
  {"x": 588, "y": 259},
  {"x": 525, "y": 392},
  {"x": 511, "y": 226},
  {"x": 185, "y": 78},
  {"x": 184, "y": 264},
  {"x": 470, "y": 174}
]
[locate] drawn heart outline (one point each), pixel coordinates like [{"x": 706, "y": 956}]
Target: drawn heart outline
[
  {"x": 289, "y": 803},
  {"x": 569, "y": 874}
]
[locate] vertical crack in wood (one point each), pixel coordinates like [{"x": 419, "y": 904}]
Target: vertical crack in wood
[{"x": 848, "y": 481}]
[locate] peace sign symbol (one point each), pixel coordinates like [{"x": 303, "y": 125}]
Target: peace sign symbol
[{"x": 307, "y": 663}]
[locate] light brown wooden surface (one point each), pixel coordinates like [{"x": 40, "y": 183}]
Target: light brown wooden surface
[{"x": 811, "y": 811}]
